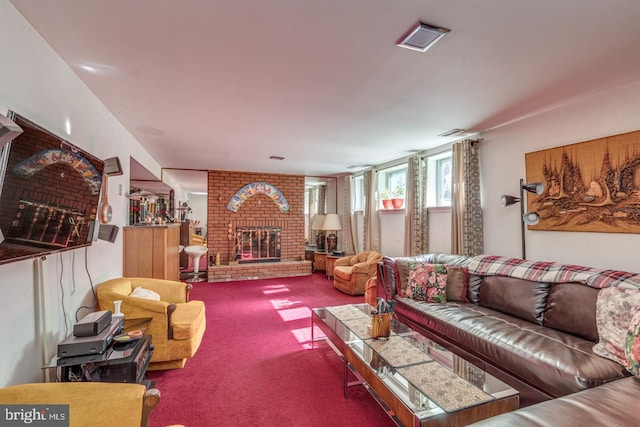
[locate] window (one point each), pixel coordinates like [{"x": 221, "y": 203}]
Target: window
[
  {"x": 392, "y": 183},
  {"x": 358, "y": 193},
  {"x": 439, "y": 178}
]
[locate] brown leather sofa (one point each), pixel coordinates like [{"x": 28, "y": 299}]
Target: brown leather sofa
[
  {"x": 350, "y": 273},
  {"x": 536, "y": 336}
]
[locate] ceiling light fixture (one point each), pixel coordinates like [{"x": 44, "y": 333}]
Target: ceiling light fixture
[{"x": 421, "y": 37}]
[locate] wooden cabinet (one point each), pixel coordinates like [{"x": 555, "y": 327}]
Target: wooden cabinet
[
  {"x": 331, "y": 262},
  {"x": 152, "y": 251},
  {"x": 320, "y": 261}
]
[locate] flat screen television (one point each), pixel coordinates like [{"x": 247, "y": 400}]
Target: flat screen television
[{"x": 49, "y": 194}]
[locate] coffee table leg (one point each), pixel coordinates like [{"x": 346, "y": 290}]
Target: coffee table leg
[{"x": 346, "y": 378}]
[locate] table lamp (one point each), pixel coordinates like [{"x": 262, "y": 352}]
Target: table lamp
[
  {"x": 317, "y": 226},
  {"x": 332, "y": 224}
]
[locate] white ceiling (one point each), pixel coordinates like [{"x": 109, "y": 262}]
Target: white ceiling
[{"x": 210, "y": 84}]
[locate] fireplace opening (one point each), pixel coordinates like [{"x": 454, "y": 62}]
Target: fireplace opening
[{"x": 258, "y": 244}]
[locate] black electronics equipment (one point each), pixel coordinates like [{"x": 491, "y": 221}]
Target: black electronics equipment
[
  {"x": 85, "y": 358},
  {"x": 128, "y": 362},
  {"x": 76, "y": 346},
  {"x": 92, "y": 324}
]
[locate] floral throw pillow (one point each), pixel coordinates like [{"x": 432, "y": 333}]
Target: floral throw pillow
[
  {"x": 615, "y": 307},
  {"x": 632, "y": 345},
  {"x": 427, "y": 282}
]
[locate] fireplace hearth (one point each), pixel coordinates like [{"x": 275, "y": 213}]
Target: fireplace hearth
[{"x": 258, "y": 244}]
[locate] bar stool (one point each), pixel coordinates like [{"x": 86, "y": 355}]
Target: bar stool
[{"x": 196, "y": 252}]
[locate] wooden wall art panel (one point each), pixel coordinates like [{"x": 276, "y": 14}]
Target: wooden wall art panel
[{"x": 591, "y": 186}]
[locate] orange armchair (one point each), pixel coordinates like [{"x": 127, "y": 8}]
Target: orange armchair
[
  {"x": 351, "y": 273},
  {"x": 177, "y": 324}
]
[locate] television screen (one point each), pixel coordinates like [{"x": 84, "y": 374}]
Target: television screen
[{"x": 49, "y": 194}]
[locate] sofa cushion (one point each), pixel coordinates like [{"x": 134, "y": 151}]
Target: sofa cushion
[
  {"x": 186, "y": 319},
  {"x": 427, "y": 282},
  {"x": 553, "y": 361},
  {"x": 571, "y": 308},
  {"x": 457, "y": 283},
  {"x": 632, "y": 345},
  {"x": 611, "y": 404},
  {"x": 520, "y": 298},
  {"x": 614, "y": 309}
]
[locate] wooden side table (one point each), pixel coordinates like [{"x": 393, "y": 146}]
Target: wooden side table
[
  {"x": 320, "y": 261},
  {"x": 331, "y": 262}
]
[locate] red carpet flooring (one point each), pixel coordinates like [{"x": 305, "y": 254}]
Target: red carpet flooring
[{"x": 255, "y": 366}]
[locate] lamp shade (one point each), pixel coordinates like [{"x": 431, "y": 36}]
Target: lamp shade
[
  {"x": 508, "y": 200},
  {"x": 332, "y": 223},
  {"x": 534, "y": 187},
  {"x": 531, "y": 218},
  {"x": 318, "y": 222}
]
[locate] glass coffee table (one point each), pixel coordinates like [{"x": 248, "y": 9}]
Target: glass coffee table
[{"x": 418, "y": 382}]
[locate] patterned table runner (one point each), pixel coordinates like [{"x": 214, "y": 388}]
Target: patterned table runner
[
  {"x": 360, "y": 327},
  {"x": 445, "y": 388},
  {"x": 345, "y": 312},
  {"x": 398, "y": 352}
]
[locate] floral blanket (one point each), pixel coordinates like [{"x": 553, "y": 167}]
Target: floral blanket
[{"x": 551, "y": 272}]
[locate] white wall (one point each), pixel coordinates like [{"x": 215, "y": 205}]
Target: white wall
[
  {"x": 503, "y": 164},
  {"x": 35, "y": 83},
  {"x": 198, "y": 205}
]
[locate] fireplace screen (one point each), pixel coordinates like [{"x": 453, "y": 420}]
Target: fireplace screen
[{"x": 258, "y": 244}]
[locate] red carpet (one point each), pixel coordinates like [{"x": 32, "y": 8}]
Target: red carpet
[{"x": 255, "y": 365}]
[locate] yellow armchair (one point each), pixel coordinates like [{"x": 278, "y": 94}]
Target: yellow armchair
[
  {"x": 177, "y": 324},
  {"x": 351, "y": 273},
  {"x": 95, "y": 404}
]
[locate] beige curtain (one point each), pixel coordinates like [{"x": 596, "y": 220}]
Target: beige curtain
[
  {"x": 466, "y": 209},
  {"x": 415, "y": 202},
  {"x": 371, "y": 223},
  {"x": 350, "y": 226}
]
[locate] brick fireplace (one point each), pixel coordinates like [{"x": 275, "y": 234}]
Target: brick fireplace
[{"x": 248, "y": 236}]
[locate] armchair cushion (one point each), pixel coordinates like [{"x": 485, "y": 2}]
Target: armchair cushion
[
  {"x": 90, "y": 403},
  {"x": 186, "y": 318}
]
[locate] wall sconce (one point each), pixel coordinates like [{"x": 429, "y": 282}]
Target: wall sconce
[{"x": 528, "y": 218}]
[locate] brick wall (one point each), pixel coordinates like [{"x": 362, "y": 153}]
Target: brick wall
[{"x": 259, "y": 209}]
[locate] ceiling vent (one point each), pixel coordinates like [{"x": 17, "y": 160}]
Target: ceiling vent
[
  {"x": 452, "y": 132},
  {"x": 421, "y": 37}
]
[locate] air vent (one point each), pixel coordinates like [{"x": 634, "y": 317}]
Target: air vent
[
  {"x": 421, "y": 37},
  {"x": 452, "y": 132}
]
